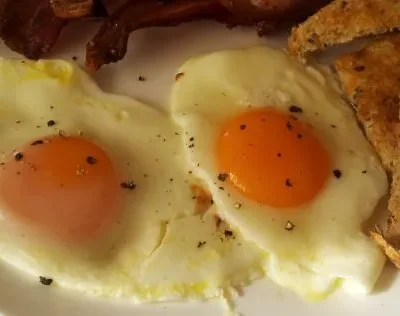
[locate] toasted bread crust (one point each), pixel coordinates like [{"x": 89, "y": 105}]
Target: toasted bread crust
[
  {"x": 391, "y": 250},
  {"x": 341, "y": 22},
  {"x": 371, "y": 80}
]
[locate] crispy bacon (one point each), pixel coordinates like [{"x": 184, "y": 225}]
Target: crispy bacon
[
  {"x": 73, "y": 9},
  {"x": 110, "y": 43},
  {"x": 29, "y": 27}
]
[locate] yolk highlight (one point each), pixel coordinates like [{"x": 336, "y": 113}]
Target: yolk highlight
[
  {"x": 273, "y": 158},
  {"x": 65, "y": 187}
]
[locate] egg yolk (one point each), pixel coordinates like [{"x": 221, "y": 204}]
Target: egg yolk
[
  {"x": 272, "y": 158},
  {"x": 65, "y": 187}
]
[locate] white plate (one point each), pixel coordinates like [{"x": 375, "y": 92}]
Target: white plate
[{"x": 156, "y": 54}]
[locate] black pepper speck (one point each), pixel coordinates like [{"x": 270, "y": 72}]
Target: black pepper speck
[
  {"x": 45, "y": 281},
  {"x": 37, "y": 142},
  {"x": 222, "y": 177},
  {"x": 18, "y": 156},
  {"x": 228, "y": 233},
  {"x": 288, "y": 183},
  {"x": 91, "y": 160},
  {"x": 51, "y": 123},
  {"x": 337, "y": 173},
  {"x": 129, "y": 185},
  {"x": 295, "y": 109}
]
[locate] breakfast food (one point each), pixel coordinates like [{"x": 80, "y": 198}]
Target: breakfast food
[
  {"x": 286, "y": 163},
  {"x": 71, "y": 9},
  {"x": 343, "y": 21},
  {"x": 29, "y": 27},
  {"x": 32, "y": 27},
  {"x": 110, "y": 43},
  {"x": 375, "y": 101},
  {"x": 370, "y": 78},
  {"x": 275, "y": 176},
  {"x": 93, "y": 195}
]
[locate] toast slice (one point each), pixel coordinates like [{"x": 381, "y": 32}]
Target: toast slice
[
  {"x": 343, "y": 21},
  {"x": 371, "y": 80}
]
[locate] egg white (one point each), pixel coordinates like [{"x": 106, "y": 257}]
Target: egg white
[
  {"x": 151, "y": 253},
  {"x": 326, "y": 248}
]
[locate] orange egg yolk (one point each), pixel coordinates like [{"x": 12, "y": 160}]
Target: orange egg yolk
[
  {"x": 65, "y": 187},
  {"x": 272, "y": 158}
]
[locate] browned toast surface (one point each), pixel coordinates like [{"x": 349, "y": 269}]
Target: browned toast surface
[
  {"x": 343, "y": 21},
  {"x": 371, "y": 80}
]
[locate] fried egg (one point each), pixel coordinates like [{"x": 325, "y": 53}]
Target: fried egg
[
  {"x": 286, "y": 163},
  {"x": 94, "y": 196}
]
